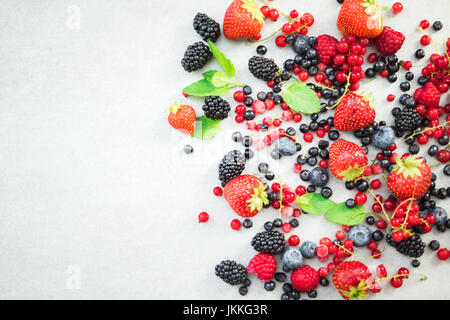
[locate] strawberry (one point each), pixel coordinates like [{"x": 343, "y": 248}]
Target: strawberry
[
  {"x": 243, "y": 20},
  {"x": 264, "y": 265},
  {"x": 246, "y": 195},
  {"x": 347, "y": 160},
  {"x": 305, "y": 279},
  {"x": 428, "y": 95},
  {"x": 353, "y": 112},
  {"x": 182, "y": 118},
  {"x": 362, "y": 18},
  {"x": 351, "y": 280},
  {"x": 410, "y": 178}
]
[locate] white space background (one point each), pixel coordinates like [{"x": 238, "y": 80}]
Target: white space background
[{"x": 94, "y": 180}]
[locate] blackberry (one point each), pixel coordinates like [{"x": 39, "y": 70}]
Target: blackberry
[
  {"x": 231, "y": 166},
  {"x": 413, "y": 246},
  {"x": 231, "y": 272},
  {"x": 262, "y": 68},
  {"x": 216, "y": 108},
  {"x": 268, "y": 242},
  {"x": 196, "y": 56},
  {"x": 206, "y": 27},
  {"x": 407, "y": 120}
]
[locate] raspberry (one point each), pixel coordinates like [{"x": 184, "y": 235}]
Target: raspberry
[
  {"x": 429, "y": 95},
  {"x": 326, "y": 47},
  {"x": 264, "y": 265},
  {"x": 389, "y": 41},
  {"x": 305, "y": 279}
]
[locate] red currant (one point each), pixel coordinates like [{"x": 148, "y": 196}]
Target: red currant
[
  {"x": 294, "y": 240},
  {"x": 218, "y": 191},
  {"x": 397, "y": 7},
  {"x": 203, "y": 217}
]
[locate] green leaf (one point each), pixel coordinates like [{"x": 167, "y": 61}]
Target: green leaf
[
  {"x": 209, "y": 74},
  {"x": 340, "y": 214},
  {"x": 204, "y": 88},
  {"x": 302, "y": 98},
  {"x": 220, "y": 79},
  {"x": 206, "y": 128},
  {"x": 222, "y": 60},
  {"x": 314, "y": 203}
]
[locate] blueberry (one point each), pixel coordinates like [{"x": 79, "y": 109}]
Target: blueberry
[
  {"x": 304, "y": 175},
  {"x": 263, "y": 167},
  {"x": 262, "y": 50},
  {"x": 188, "y": 149},
  {"x": 434, "y": 245},
  {"x": 280, "y": 276},
  {"x": 243, "y": 291},
  {"x": 278, "y": 222},
  {"x": 383, "y": 138},
  {"x": 377, "y": 235},
  {"x": 360, "y": 235},
  {"x": 247, "y": 223},
  {"x": 319, "y": 177},
  {"x": 269, "y": 286},
  {"x": 292, "y": 257},
  {"x": 268, "y": 226},
  {"x": 308, "y": 249},
  {"x": 301, "y": 45},
  {"x": 350, "y": 203},
  {"x": 295, "y": 295},
  {"x": 326, "y": 192},
  {"x": 440, "y": 215},
  {"x": 237, "y": 136},
  {"x": 270, "y": 175},
  {"x": 285, "y": 146},
  {"x": 420, "y": 53},
  {"x": 437, "y": 25}
]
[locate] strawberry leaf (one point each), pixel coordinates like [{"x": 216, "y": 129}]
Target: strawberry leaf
[
  {"x": 301, "y": 98},
  {"x": 226, "y": 64},
  {"x": 206, "y": 128},
  {"x": 340, "y": 214},
  {"x": 204, "y": 88},
  {"x": 314, "y": 203}
]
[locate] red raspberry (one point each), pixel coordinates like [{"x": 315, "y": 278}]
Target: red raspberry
[
  {"x": 429, "y": 95},
  {"x": 389, "y": 41},
  {"x": 326, "y": 47},
  {"x": 305, "y": 279},
  {"x": 264, "y": 265}
]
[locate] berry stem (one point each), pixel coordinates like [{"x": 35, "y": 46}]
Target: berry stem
[
  {"x": 343, "y": 95},
  {"x": 270, "y": 6},
  {"x": 423, "y": 131},
  {"x": 425, "y": 33}
]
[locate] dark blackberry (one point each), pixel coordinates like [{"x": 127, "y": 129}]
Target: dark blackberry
[
  {"x": 262, "y": 68},
  {"x": 407, "y": 120},
  {"x": 216, "y": 108},
  {"x": 413, "y": 247},
  {"x": 196, "y": 56},
  {"x": 231, "y": 272},
  {"x": 206, "y": 27},
  {"x": 268, "y": 242},
  {"x": 231, "y": 166}
]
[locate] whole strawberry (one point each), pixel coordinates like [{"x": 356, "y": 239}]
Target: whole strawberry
[
  {"x": 243, "y": 20},
  {"x": 362, "y": 18},
  {"x": 246, "y": 195},
  {"x": 410, "y": 178},
  {"x": 347, "y": 160},
  {"x": 428, "y": 95},
  {"x": 182, "y": 118},
  {"x": 389, "y": 41},
  {"x": 305, "y": 279},
  {"x": 326, "y": 47},
  {"x": 353, "y": 112},
  {"x": 264, "y": 265},
  {"x": 351, "y": 280}
]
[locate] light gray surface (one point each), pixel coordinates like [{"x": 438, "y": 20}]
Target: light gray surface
[{"x": 94, "y": 180}]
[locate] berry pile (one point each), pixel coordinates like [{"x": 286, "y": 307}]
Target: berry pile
[{"x": 308, "y": 109}]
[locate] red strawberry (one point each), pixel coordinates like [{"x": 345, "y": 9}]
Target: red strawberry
[
  {"x": 347, "y": 160},
  {"x": 389, "y": 41},
  {"x": 246, "y": 195},
  {"x": 410, "y": 178},
  {"x": 305, "y": 279},
  {"x": 353, "y": 112},
  {"x": 350, "y": 279},
  {"x": 428, "y": 95},
  {"x": 243, "y": 20},
  {"x": 182, "y": 118},
  {"x": 362, "y": 18},
  {"x": 326, "y": 47},
  {"x": 264, "y": 265}
]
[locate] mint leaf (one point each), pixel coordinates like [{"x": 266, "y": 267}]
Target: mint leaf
[
  {"x": 340, "y": 214},
  {"x": 206, "y": 128},
  {"x": 314, "y": 203},
  {"x": 301, "y": 98},
  {"x": 204, "y": 88},
  {"x": 222, "y": 60},
  {"x": 209, "y": 74},
  {"x": 220, "y": 79}
]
